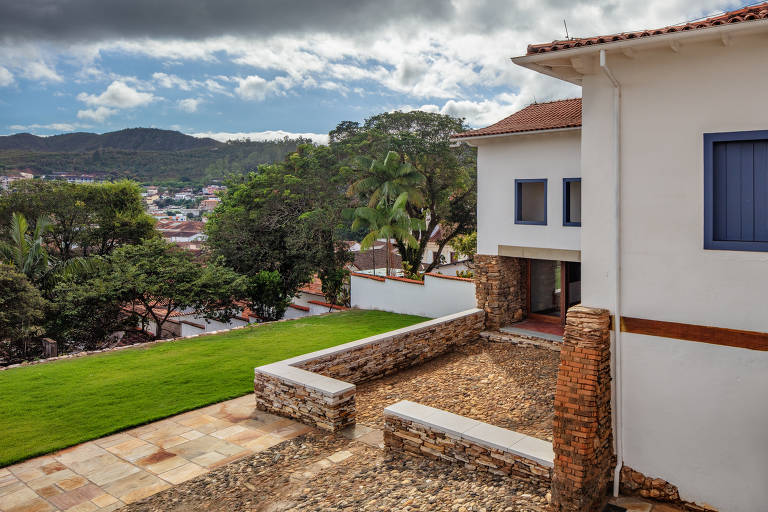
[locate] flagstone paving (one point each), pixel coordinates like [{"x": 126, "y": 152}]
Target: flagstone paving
[{"x": 107, "y": 473}]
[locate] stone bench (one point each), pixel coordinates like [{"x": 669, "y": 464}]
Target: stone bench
[{"x": 428, "y": 432}]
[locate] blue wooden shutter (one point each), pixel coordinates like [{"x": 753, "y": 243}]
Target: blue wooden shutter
[{"x": 740, "y": 191}]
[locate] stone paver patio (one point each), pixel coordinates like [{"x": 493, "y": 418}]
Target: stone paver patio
[{"x": 107, "y": 473}]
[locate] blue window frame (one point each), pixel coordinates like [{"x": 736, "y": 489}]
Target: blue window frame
[
  {"x": 736, "y": 191},
  {"x": 571, "y": 201},
  {"x": 531, "y": 202}
]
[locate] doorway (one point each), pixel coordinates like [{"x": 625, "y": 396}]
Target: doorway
[{"x": 552, "y": 287}]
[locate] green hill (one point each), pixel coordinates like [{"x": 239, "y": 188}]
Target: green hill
[
  {"x": 144, "y": 154},
  {"x": 135, "y": 139}
]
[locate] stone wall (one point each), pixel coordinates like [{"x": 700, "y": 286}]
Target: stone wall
[
  {"x": 309, "y": 387},
  {"x": 323, "y": 404},
  {"x": 390, "y": 352},
  {"x": 500, "y": 288},
  {"x": 426, "y": 432},
  {"x": 582, "y": 434},
  {"x": 634, "y": 482}
]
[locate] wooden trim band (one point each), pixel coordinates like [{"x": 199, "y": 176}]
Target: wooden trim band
[{"x": 751, "y": 340}]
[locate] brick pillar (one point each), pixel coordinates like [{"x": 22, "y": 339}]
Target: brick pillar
[
  {"x": 500, "y": 288},
  {"x": 582, "y": 435}
]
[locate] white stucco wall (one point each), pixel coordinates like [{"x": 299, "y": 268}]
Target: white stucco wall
[
  {"x": 694, "y": 414},
  {"x": 553, "y": 155},
  {"x": 435, "y": 298}
]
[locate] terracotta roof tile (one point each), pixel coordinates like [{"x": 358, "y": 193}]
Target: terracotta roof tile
[
  {"x": 314, "y": 287},
  {"x": 535, "y": 117},
  {"x": 755, "y": 12}
]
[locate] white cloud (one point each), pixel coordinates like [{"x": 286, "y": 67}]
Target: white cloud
[
  {"x": 6, "y": 77},
  {"x": 254, "y": 87},
  {"x": 60, "y": 127},
  {"x": 98, "y": 115},
  {"x": 118, "y": 95},
  {"x": 39, "y": 70},
  {"x": 171, "y": 81},
  {"x": 189, "y": 104},
  {"x": 320, "y": 138}
]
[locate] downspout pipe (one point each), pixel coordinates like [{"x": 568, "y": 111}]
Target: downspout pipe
[{"x": 618, "y": 402}]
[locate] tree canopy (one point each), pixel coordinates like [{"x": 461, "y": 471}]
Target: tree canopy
[
  {"x": 447, "y": 193},
  {"x": 85, "y": 219}
]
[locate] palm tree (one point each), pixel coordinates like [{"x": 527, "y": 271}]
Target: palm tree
[
  {"x": 386, "y": 180},
  {"x": 26, "y": 251},
  {"x": 387, "y": 221}
]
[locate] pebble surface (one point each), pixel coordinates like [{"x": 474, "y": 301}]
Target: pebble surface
[
  {"x": 503, "y": 384},
  {"x": 322, "y": 472}
]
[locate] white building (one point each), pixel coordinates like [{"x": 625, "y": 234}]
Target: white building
[{"x": 668, "y": 231}]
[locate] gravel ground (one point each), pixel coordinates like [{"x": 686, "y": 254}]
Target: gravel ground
[
  {"x": 323, "y": 472},
  {"x": 499, "y": 383}
]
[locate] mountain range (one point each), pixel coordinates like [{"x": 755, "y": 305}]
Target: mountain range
[{"x": 131, "y": 139}]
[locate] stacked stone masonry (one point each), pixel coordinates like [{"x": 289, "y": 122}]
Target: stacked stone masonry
[
  {"x": 318, "y": 388},
  {"x": 582, "y": 435},
  {"x": 392, "y": 352},
  {"x": 634, "y": 482},
  {"x": 500, "y": 288},
  {"x": 306, "y": 404},
  {"x": 421, "y": 439}
]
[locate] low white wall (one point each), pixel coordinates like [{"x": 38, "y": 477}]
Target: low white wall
[{"x": 436, "y": 297}]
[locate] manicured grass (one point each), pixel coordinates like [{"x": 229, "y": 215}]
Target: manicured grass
[{"x": 54, "y": 405}]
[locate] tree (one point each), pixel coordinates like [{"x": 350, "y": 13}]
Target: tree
[
  {"x": 384, "y": 182},
  {"x": 85, "y": 312},
  {"x": 163, "y": 279},
  {"x": 467, "y": 245},
  {"x": 85, "y": 219},
  {"x": 423, "y": 139},
  {"x": 285, "y": 218},
  {"x": 387, "y": 221},
  {"x": 22, "y": 310},
  {"x": 27, "y": 252}
]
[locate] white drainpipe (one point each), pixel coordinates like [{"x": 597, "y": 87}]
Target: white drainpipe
[{"x": 619, "y": 427}]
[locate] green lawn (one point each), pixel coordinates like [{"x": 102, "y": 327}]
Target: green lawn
[{"x": 51, "y": 406}]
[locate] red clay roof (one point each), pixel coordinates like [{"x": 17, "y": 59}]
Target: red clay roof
[
  {"x": 535, "y": 117},
  {"x": 755, "y": 12}
]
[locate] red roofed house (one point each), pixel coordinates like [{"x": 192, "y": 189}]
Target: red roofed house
[{"x": 667, "y": 233}]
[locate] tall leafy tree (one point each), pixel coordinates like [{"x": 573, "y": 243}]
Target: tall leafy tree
[
  {"x": 387, "y": 221},
  {"x": 285, "y": 218},
  {"x": 85, "y": 219},
  {"x": 26, "y": 251},
  {"x": 449, "y": 170},
  {"x": 164, "y": 279},
  {"x": 22, "y": 310}
]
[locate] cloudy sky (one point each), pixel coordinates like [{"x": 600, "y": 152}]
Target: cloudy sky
[{"x": 268, "y": 67}]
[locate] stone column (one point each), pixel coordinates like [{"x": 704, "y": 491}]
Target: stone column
[
  {"x": 582, "y": 434},
  {"x": 500, "y": 289}
]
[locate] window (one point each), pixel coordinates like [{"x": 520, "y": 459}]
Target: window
[
  {"x": 736, "y": 191},
  {"x": 531, "y": 202},
  {"x": 571, "y": 201}
]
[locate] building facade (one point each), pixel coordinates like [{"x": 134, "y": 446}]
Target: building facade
[{"x": 673, "y": 158}]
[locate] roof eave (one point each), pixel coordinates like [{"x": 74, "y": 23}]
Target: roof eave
[
  {"x": 536, "y": 61},
  {"x": 512, "y": 134}
]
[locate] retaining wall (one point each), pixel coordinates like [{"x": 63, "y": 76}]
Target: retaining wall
[
  {"x": 428, "y": 432},
  {"x": 310, "y": 388}
]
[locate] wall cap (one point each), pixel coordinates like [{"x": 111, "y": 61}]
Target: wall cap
[{"x": 483, "y": 434}]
